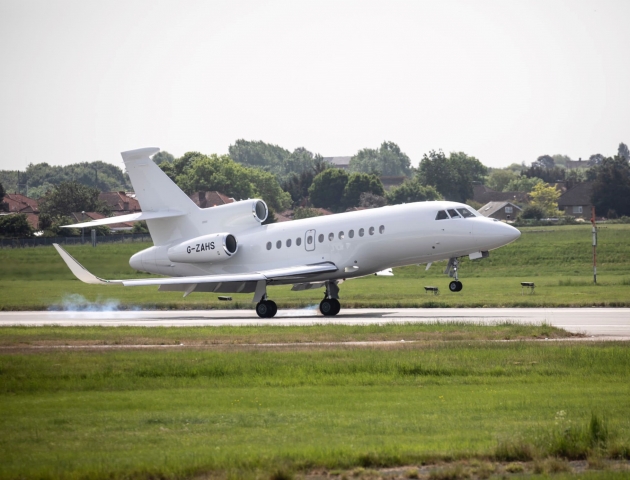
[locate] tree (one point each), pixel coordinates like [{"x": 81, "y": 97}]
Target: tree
[
  {"x": 522, "y": 184},
  {"x": 328, "y": 188},
  {"x": 69, "y": 197},
  {"x": 195, "y": 172},
  {"x": 623, "y": 152},
  {"x": 2, "y": 192},
  {"x": 163, "y": 156},
  {"x": 369, "y": 200},
  {"x": 3, "y": 205},
  {"x": 305, "y": 212},
  {"x": 549, "y": 175},
  {"x": 545, "y": 197},
  {"x": 560, "y": 159},
  {"x": 388, "y": 160},
  {"x": 611, "y": 187},
  {"x": 596, "y": 159},
  {"x": 259, "y": 154},
  {"x": 545, "y": 161},
  {"x": 452, "y": 177},
  {"x": 532, "y": 212},
  {"x": 411, "y": 191},
  {"x": 15, "y": 226},
  {"x": 499, "y": 179},
  {"x": 359, "y": 183}
]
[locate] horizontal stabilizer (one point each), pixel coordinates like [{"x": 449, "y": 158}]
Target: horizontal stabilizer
[{"x": 132, "y": 217}]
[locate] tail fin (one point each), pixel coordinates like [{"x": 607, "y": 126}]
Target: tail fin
[
  {"x": 154, "y": 190},
  {"x": 157, "y": 193}
]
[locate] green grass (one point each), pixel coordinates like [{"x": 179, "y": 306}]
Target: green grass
[
  {"x": 176, "y": 414},
  {"x": 202, "y": 336},
  {"x": 557, "y": 259}
]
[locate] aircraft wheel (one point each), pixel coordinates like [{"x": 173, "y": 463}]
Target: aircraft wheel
[
  {"x": 454, "y": 286},
  {"x": 266, "y": 309},
  {"x": 329, "y": 307},
  {"x": 459, "y": 286},
  {"x": 273, "y": 308}
]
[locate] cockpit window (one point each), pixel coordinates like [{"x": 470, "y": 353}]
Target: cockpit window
[
  {"x": 453, "y": 213},
  {"x": 441, "y": 215},
  {"x": 465, "y": 212}
]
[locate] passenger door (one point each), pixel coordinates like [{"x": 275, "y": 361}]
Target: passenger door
[{"x": 309, "y": 240}]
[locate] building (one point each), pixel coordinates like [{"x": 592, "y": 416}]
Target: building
[
  {"x": 18, "y": 203},
  {"x": 576, "y": 202},
  {"x": 575, "y": 164},
  {"x": 120, "y": 203},
  {"x": 210, "y": 199},
  {"x": 507, "y": 211}
]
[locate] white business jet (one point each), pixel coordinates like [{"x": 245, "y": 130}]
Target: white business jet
[{"x": 226, "y": 249}]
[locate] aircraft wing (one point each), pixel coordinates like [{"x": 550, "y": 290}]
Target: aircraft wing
[{"x": 298, "y": 272}]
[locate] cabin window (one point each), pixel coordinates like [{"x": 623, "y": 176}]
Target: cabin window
[
  {"x": 371, "y": 230},
  {"x": 309, "y": 240},
  {"x": 381, "y": 229},
  {"x": 321, "y": 238},
  {"x": 298, "y": 241},
  {"x": 331, "y": 237},
  {"x": 288, "y": 242},
  {"x": 361, "y": 232},
  {"x": 464, "y": 212},
  {"x": 278, "y": 244},
  {"x": 268, "y": 245},
  {"x": 351, "y": 233},
  {"x": 453, "y": 213},
  {"x": 341, "y": 236},
  {"x": 441, "y": 215}
]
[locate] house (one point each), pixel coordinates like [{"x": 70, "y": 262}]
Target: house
[
  {"x": 18, "y": 203},
  {"x": 575, "y": 164},
  {"x": 576, "y": 202},
  {"x": 507, "y": 211},
  {"x": 391, "y": 182},
  {"x": 483, "y": 195},
  {"x": 210, "y": 199},
  {"x": 120, "y": 203},
  {"x": 339, "y": 162}
]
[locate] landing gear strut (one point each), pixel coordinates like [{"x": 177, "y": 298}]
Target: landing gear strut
[
  {"x": 330, "y": 305},
  {"x": 451, "y": 271}
]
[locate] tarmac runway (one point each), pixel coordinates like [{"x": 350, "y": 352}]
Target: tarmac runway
[{"x": 604, "y": 323}]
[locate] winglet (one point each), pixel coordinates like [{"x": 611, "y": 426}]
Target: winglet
[{"x": 80, "y": 271}]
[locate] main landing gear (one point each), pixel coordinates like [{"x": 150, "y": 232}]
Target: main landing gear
[
  {"x": 330, "y": 305},
  {"x": 451, "y": 271},
  {"x": 266, "y": 308}
]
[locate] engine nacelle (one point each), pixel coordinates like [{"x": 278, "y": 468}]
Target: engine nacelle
[
  {"x": 238, "y": 215},
  {"x": 213, "y": 248}
]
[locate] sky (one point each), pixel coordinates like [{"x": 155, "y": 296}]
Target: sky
[{"x": 503, "y": 81}]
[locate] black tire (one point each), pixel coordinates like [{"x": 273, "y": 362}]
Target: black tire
[
  {"x": 453, "y": 287},
  {"x": 329, "y": 307},
  {"x": 337, "y": 306},
  {"x": 459, "y": 286},
  {"x": 273, "y": 308},
  {"x": 262, "y": 309}
]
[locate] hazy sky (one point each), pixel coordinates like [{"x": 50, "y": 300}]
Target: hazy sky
[{"x": 505, "y": 81}]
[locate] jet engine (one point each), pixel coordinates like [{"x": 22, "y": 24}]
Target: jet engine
[
  {"x": 238, "y": 215},
  {"x": 213, "y": 248}
]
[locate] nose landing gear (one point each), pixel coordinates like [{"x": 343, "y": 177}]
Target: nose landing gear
[{"x": 451, "y": 271}]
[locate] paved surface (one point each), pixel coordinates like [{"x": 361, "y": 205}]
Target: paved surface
[{"x": 598, "y": 322}]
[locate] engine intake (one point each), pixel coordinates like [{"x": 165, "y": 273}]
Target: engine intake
[{"x": 213, "y": 248}]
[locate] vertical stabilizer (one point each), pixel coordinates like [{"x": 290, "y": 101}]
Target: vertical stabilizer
[{"x": 156, "y": 192}]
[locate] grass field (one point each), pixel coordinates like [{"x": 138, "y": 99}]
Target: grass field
[
  {"x": 275, "y": 412},
  {"x": 557, "y": 259}
]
